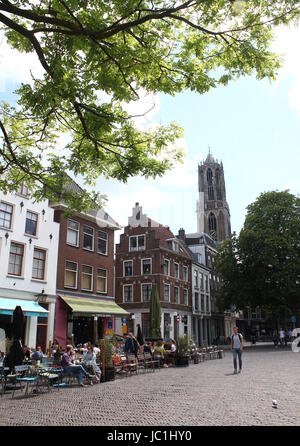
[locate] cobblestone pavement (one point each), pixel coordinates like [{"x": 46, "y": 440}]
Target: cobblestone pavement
[{"x": 202, "y": 394}]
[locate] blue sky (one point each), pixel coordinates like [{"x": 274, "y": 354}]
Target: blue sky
[{"x": 252, "y": 126}]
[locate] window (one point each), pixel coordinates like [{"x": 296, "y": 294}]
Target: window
[
  {"x": 6, "y": 211},
  {"x": 176, "y": 295},
  {"x": 88, "y": 238},
  {"x": 73, "y": 233},
  {"x": 207, "y": 305},
  {"x": 31, "y": 223},
  {"x": 176, "y": 270},
  {"x": 137, "y": 243},
  {"x": 102, "y": 242},
  {"x": 218, "y": 182},
  {"x": 146, "y": 292},
  {"x": 87, "y": 278},
  {"x": 197, "y": 301},
  {"x": 202, "y": 283},
  {"x": 210, "y": 184},
  {"x": 185, "y": 274},
  {"x": 127, "y": 293},
  {"x": 212, "y": 224},
  {"x": 185, "y": 297},
  {"x": 101, "y": 280},
  {"x": 202, "y": 303},
  {"x": 206, "y": 283},
  {"x": 16, "y": 255},
  {"x": 196, "y": 279},
  {"x": 167, "y": 267},
  {"x": 127, "y": 268},
  {"x": 71, "y": 274},
  {"x": 22, "y": 189},
  {"x": 175, "y": 246},
  {"x": 39, "y": 262},
  {"x": 166, "y": 292},
  {"x": 146, "y": 266}
]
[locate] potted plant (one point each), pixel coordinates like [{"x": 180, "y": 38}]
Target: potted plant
[
  {"x": 182, "y": 352},
  {"x": 107, "y": 357}
]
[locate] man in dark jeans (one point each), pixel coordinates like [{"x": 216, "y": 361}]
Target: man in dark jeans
[
  {"x": 78, "y": 370},
  {"x": 129, "y": 347}
]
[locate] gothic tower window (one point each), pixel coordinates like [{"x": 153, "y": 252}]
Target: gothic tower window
[
  {"x": 212, "y": 225},
  {"x": 210, "y": 184},
  {"x": 218, "y": 184},
  {"x": 221, "y": 226}
]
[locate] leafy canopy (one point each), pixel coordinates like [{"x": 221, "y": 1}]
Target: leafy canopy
[
  {"x": 97, "y": 56},
  {"x": 261, "y": 267}
]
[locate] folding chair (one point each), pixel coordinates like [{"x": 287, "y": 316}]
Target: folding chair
[{"x": 22, "y": 375}]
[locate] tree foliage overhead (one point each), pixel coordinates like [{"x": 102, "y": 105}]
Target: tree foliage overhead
[
  {"x": 261, "y": 267},
  {"x": 97, "y": 56}
]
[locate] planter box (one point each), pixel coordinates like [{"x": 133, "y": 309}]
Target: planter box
[
  {"x": 182, "y": 361},
  {"x": 109, "y": 374}
]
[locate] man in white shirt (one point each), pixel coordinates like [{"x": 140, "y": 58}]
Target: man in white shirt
[{"x": 237, "y": 347}]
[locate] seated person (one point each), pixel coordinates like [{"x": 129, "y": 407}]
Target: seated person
[
  {"x": 27, "y": 352},
  {"x": 147, "y": 348},
  {"x": 69, "y": 366},
  {"x": 160, "y": 353},
  {"x": 37, "y": 355},
  {"x": 89, "y": 359}
]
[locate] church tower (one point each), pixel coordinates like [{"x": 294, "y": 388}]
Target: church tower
[{"x": 213, "y": 216}]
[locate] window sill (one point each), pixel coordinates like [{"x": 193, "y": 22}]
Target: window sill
[
  {"x": 31, "y": 236},
  {"x": 71, "y": 287},
  {"x": 102, "y": 254},
  {"x": 89, "y": 250},
  {"x": 39, "y": 280},
  {"x": 73, "y": 246},
  {"x": 6, "y": 229},
  {"x": 15, "y": 277}
]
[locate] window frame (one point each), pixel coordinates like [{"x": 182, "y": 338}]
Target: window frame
[
  {"x": 142, "y": 269},
  {"x": 73, "y": 271},
  {"x": 106, "y": 281},
  {"x": 127, "y": 275},
  {"x": 11, "y": 215},
  {"x": 142, "y": 296},
  {"x": 185, "y": 273},
  {"x": 167, "y": 285},
  {"x": 178, "y": 296},
  {"x": 88, "y": 274},
  {"x": 167, "y": 260},
  {"x": 131, "y": 286},
  {"x": 73, "y": 230},
  {"x": 106, "y": 252},
  {"x": 89, "y": 235},
  {"x": 137, "y": 249},
  {"x": 178, "y": 275},
  {"x": 38, "y": 259},
  {"x": 185, "y": 296},
  {"x": 36, "y": 223},
  {"x": 15, "y": 254}
]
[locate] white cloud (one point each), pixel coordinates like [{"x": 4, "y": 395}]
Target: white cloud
[
  {"x": 17, "y": 67},
  {"x": 286, "y": 44}
]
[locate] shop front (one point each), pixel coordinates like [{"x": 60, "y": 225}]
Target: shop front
[
  {"x": 80, "y": 320},
  {"x": 33, "y": 312}
]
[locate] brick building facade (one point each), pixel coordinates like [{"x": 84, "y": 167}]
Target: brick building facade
[{"x": 149, "y": 253}]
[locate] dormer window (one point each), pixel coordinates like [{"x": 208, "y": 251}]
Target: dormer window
[{"x": 175, "y": 246}]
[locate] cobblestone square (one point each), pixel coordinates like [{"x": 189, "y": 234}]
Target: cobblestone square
[{"x": 202, "y": 394}]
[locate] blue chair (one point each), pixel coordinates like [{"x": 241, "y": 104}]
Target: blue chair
[{"x": 22, "y": 376}]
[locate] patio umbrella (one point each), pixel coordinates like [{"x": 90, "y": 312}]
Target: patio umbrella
[
  {"x": 139, "y": 336},
  {"x": 16, "y": 354},
  {"x": 155, "y": 313}
]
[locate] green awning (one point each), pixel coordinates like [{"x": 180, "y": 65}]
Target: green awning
[{"x": 97, "y": 307}]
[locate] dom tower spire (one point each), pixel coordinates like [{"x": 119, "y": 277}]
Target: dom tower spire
[{"x": 213, "y": 216}]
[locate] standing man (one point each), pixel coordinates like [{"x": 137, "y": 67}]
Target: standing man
[{"x": 237, "y": 347}]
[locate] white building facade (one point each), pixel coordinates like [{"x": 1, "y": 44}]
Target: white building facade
[
  {"x": 28, "y": 266},
  {"x": 201, "y": 305}
]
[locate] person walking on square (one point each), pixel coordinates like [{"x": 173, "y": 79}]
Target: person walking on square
[{"x": 237, "y": 347}]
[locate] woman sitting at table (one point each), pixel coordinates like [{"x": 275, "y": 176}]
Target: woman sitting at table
[
  {"x": 160, "y": 353},
  {"x": 89, "y": 359}
]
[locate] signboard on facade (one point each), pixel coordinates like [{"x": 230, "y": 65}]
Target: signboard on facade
[{"x": 293, "y": 319}]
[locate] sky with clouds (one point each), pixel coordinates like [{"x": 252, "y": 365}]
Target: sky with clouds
[{"x": 252, "y": 126}]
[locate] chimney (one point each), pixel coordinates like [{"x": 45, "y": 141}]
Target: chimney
[{"x": 181, "y": 234}]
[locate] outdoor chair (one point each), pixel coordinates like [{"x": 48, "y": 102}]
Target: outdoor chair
[
  {"x": 132, "y": 364},
  {"x": 141, "y": 363},
  {"x": 23, "y": 376},
  {"x": 150, "y": 362},
  {"x": 122, "y": 368}
]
